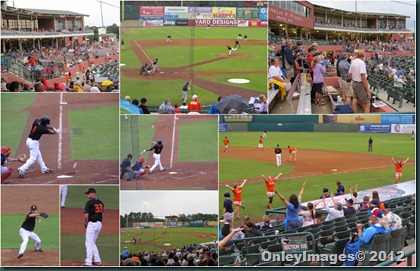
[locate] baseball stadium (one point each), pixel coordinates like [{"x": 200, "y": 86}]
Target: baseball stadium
[
  {"x": 84, "y": 147},
  {"x": 72, "y": 234},
  {"x": 189, "y": 153},
  {"x": 16, "y": 203},
  {"x": 151, "y": 236},
  {"x": 328, "y": 149},
  {"x": 338, "y": 33},
  {"x": 187, "y": 41},
  {"x": 55, "y": 48}
]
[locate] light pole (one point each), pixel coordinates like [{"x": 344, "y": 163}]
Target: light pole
[{"x": 145, "y": 209}]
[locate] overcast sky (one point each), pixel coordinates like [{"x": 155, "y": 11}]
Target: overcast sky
[
  {"x": 165, "y": 203},
  {"x": 385, "y": 6},
  {"x": 92, "y": 8}
]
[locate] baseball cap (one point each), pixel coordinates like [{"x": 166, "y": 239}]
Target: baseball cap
[
  {"x": 350, "y": 201},
  {"x": 143, "y": 100},
  {"x": 90, "y": 190},
  {"x": 33, "y": 207},
  {"x": 194, "y": 97},
  {"x": 376, "y": 212},
  {"x": 325, "y": 189},
  {"x": 384, "y": 205}
]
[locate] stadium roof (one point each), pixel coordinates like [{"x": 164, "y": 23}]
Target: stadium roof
[
  {"x": 54, "y": 12},
  {"x": 359, "y": 12}
]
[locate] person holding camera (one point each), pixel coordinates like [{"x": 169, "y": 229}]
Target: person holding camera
[{"x": 343, "y": 68}]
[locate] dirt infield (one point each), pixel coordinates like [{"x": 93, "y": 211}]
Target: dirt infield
[
  {"x": 184, "y": 73},
  {"x": 312, "y": 162},
  {"x": 190, "y": 175},
  {"x": 47, "y": 200},
  {"x": 104, "y": 171}
]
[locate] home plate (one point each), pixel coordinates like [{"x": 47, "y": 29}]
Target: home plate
[
  {"x": 334, "y": 169},
  {"x": 173, "y": 172},
  {"x": 166, "y": 244},
  {"x": 238, "y": 81},
  {"x": 64, "y": 177}
]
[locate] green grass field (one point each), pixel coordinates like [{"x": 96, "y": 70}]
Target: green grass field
[
  {"x": 108, "y": 194},
  {"x": 14, "y": 116},
  {"x": 47, "y": 231},
  {"x": 178, "y": 238},
  {"x": 396, "y": 145},
  {"x": 94, "y": 137},
  {"x": 176, "y": 56}
]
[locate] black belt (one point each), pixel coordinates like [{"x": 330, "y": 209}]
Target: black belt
[
  {"x": 94, "y": 221},
  {"x": 33, "y": 138}
]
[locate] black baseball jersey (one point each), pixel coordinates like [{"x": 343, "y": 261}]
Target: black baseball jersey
[
  {"x": 278, "y": 151},
  {"x": 229, "y": 48},
  {"x": 158, "y": 148},
  {"x": 95, "y": 208},
  {"x": 370, "y": 141},
  {"x": 29, "y": 223},
  {"x": 38, "y": 130},
  {"x": 185, "y": 87}
]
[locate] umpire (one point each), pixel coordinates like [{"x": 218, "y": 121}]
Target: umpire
[
  {"x": 125, "y": 165},
  {"x": 185, "y": 88}
]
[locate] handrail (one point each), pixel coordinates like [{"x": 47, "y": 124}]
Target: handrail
[{"x": 408, "y": 254}]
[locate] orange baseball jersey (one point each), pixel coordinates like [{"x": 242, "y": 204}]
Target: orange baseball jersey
[
  {"x": 194, "y": 106},
  {"x": 260, "y": 141},
  {"x": 292, "y": 149},
  {"x": 270, "y": 185},
  {"x": 67, "y": 76},
  {"x": 225, "y": 141},
  {"x": 398, "y": 168},
  {"x": 237, "y": 194}
]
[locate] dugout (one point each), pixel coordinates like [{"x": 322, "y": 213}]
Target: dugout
[{"x": 196, "y": 224}]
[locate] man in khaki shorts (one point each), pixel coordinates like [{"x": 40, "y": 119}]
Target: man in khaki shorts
[
  {"x": 361, "y": 92},
  {"x": 345, "y": 80}
]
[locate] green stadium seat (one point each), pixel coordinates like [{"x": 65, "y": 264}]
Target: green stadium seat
[
  {"x": 275, "y": 248},
  {"x": 334, "y": 248},
  {"x": 227, "y": 259},
  {"x": 397, "y": 239},
  {"x": 379, "y": 244},
  {"x": 264, "y": 245}
]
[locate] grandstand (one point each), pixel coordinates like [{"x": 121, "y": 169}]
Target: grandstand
[{"x": 382, "y": 36}]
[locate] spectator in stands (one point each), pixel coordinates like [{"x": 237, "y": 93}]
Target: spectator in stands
[
  {"x": 166, "y": 107},
  {"x": 293, "y": 207},
  {"x": 225, "y": 240},
  {"x": 318, "y": 79},
  {"x": 78, "y": 87},
  {"x": 276, "y": 76},
  {"x": 354, "y": 196},
  {"x": 263, "y": 106},
  {"x": 194, "y": 104},
  {"x": 95, "y": 88},
  {"x": 39, "y": 87},
  {"x": 325, "y": 193},
  {"x": 176, "y": 109},
  {"x": 340, "y": 188},
  {"x": 124, "y": 253},
  {"x": 311, "y": 55},
  {"x": 343, "y": 68},
  {"x": 318, "y": 217},
  {"x": 288, "y": 61},
  {"x": 375, "y": 199},
  {"x": 213, "y": 109},
  {"x": 143, "y": 106},
  {"x": 184, "y": 106},
  {"x": 246, "y": 220},
  {"x": 378, "y": 225},
  {"x": 87, "y": 86},
  {"x": 334, "y": 213},
  {"x": 26, "y": 88},
  {"x": 365, "y": 205},
  {"x": 298, "y": 66},
  {"x": 266, "y": 225},
  {"x": 250, "y": 230},
  {"x": 394, "y": 220},
  {"x": 360, "y": 85},
  {"x": 349, "y": 209},
  {"x": 309, "y": 215},
  {"x": 14, "y": 86},
  {"x": 3, "y": 84}
]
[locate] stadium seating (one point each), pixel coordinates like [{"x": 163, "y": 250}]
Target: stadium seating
[{"x": 379, "y": 244}]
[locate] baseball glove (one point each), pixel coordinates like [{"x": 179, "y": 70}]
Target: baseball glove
[
  {"x": 43, "y": 214},
  {"x": 22, "y": 158}
]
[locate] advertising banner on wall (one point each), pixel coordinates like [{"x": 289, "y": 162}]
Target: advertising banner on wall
[
  {"x": 247, "y": 13},
  {"x": 181, "y": 22},
  {"x": 152, "y": 23},
  {"x": 152, "y": 11},
  {"x": 223, "y": 13},
  {"x": 263, "y": 14},
  {"x": 242, "y": 23},
  {"x": 169, "y": 22},
  {"x": 285, "y": 16},
  {"x": 212, "y": 23},
  {"x": 200, "y": 13},
  {"x": 375, "y": 128},
  {"x": 254, "y": 23},
  {"x": 176, "y": 12},
  {"x": 403, "y": 128},
  {"x": 397, "y": 119}
]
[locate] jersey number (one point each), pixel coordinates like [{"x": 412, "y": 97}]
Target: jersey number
[
  {"x": 99, "y": 208},
  {"x": 34, "y": 129}
]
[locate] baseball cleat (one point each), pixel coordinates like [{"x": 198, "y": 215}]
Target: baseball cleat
[
  {"x": 20, "y": 255},
  {"x": 21, "y": 173},
  {"x": 46, "y": 171},
  {"x": 84, "y": 264},
  {"x": 163, "y": 169},
  {"x": 39, "y": 250},
  {"x": 97, "y": 264},
  {"x": 63, "y": 206}
]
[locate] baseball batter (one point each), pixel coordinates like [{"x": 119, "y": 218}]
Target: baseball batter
[
  {"x": 225, "y": 144},
  {"x": 292, "y": 153},
  {"x": 27, "y": 231},
  {"x": 260, "y": 144},
  {"x": 157, "y": 148},
  {"x": 269, "y": 183},
  {"x": 237, "y": 198},
  {"x": 93, "y": 223},
  {"x": 63, "y": 193},
  {"x": 278, "y": 152},
  {"x": 39, "y": 127},
  {"x": 398, "y": 169},
  {"x": 185, "y": 88}
]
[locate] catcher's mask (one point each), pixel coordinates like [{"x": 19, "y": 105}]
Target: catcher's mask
[
  {"x": 141, "y": 160},
  {"x": 5, "y": 150}
]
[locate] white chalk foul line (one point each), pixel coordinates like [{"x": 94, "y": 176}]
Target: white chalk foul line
[
  {"x": 138, "y": 45},
  {"x": 173, "y": 142},
  {"x": 60, "y": 133}
]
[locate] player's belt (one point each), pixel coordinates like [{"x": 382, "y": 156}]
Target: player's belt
[
  {"x": 33, "y": 138},
  {"x": 94, "y": 221}
]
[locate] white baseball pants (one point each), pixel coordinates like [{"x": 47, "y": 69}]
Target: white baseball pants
[
  {"x": 25, "y": 238},
  {"x": 157, "y": 162},
  {"x": 92, "y": 232},
  {"x": 278, "y": 158},
  {"x": 35, "y": 155}
]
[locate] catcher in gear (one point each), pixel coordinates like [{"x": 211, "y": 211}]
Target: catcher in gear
[
  {"x": 27, "y": 230},
  {"x": 136, "y": 170},
  {"x": 7, "y": 170}
]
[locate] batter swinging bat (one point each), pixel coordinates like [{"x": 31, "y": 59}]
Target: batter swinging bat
[{"x": 143, "y": 151}]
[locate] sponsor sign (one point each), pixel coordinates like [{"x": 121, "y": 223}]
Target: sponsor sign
[
  {"x": 223, "y": 13},
  {"x": 402, "y": 128},
  {"x": 169, "y": 22},
  {"x": 200, "y": 9},
  {"x": 397, "y": 119},
  {"x": 354, "y": 118},
  {"x": 181, "y": 22},
  {"x": 222, "y": 127},
  {"x": 264, "y": 24},
  {"x": 135, "y": 224},
  {"x": 263, "y": 14},
  {"x": 213, "y": 22},
  {"x": 152, "y": 11},
  {"x": 247, "y": 13},
  {"x": 242, "y": 23},
  {"x": 176, "y": 12},
  {"x": 285, "y": 16},
  {"x": 375, "y": 128},
  {"x": 238, "y": 118},
  {"x": 200, "y": 13},
  {"x": 294, "y": 243},
  {"x": 152, "y": 23},
  {"x": 254, "y": 23}
]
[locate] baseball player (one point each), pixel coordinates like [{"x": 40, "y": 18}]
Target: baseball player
[
  {"x": 230, "y": 49},
  {"x": 398, "y": 169},
  {"x": 260, "y": 144},
  {"x": 136, "y": 170},
  {"x": 239, "y": 36},
  {"x": 292, "y": 153},
  {"x": 157, "y": 148},
  {"x": 264, "y": 135},
  {"x": 237, "y": 197},
  {"x": 370, "y": 144},
  {"x": 6, "y": 170},
  {"x": 278, "y": 152},
  {"x": 93, "y": 223},
  {"x": 225, "y": 144},
  {"x": 63, "y": 192},
  {"x": 237, "y": 45},
  {"x": 185, "y": 88},
  {"x": 169, "y": 39},
  {"x": 245, "y": 38},
  {"x": 269, "y": 183},
  {"x": 39, "y": 127},
  {"x": 27, "y": 231}
]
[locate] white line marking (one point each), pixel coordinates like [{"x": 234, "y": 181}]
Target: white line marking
[
  {"x": 60, "y": 133},
  {"x": 173, "y": 142},
  {"x": 138, "y": 45}
]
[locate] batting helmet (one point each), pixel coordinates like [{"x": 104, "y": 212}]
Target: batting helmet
[
  {"x": 159, "y": 141},
  {"x": 141, "y": 160},
  {"x": 5, "y": 150},
  {"x": 45, "y": 120},
  {"x": 227, "y": 194}
]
